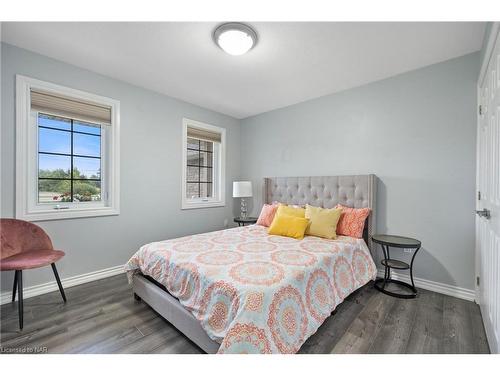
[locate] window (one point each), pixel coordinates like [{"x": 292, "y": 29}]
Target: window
[
  {"x": 203, "y": 165},
  {"x": 67, "y": 152},
  {"x": 200, "y": 155},
  {"x": 69, "y": 160}
]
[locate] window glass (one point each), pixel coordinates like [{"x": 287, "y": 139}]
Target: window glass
[
  {"x": 50, "y": 191},
  {"x": 69, "y": 160},
  {"x": 206, "y": 146},
  {"x": 193, "y": 157},
  {"x": 205, "y": 190},
  {"x": 199, "y": 169},
  {"x": 54, "y": 122},
  {"x": 86, "y": 191},
  {"x": 54, "y": 166},
  {"x": 86, "y": 145},
  {"x": 86, "y": 168},
  {"x": 85, "y": 127},
  {"x": 193, "y": 190},
  {"x": 206, "y": 159},
  {"x": 206, "y": 174},
  {"x": 54, "y": 141},
  {"x": 193, "y": 144}
]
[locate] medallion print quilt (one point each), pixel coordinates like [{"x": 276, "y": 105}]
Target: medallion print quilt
[{"x": 253, "y": 292}]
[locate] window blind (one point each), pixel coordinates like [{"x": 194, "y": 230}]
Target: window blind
[
  {"x": 203, "y": 135},
  {"x": 70, "y": 107}
]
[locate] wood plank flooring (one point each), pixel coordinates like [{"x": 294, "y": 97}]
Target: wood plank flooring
[{"x": 103, "y": 317}]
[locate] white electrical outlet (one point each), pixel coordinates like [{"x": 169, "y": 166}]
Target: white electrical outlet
[{"x": 225, "y": 223}]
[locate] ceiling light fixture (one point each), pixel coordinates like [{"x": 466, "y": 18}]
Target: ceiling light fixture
[{"x": 235, "y": 38}]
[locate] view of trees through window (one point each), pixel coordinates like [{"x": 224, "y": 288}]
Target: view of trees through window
[
  {"x": 69, "y": 160},
  {"x": 199, "y": 168}
]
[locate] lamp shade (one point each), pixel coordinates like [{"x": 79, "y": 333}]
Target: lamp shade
[{"x": 242, "y": 189}]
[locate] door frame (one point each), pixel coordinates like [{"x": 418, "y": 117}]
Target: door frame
[
  {"x": 495, "y": 27},
  {"x": 492, "y": 37},
  {"x": 490, "y": 45}
]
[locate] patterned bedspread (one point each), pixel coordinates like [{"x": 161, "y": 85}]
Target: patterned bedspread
[{"x": 256, "y": 293}]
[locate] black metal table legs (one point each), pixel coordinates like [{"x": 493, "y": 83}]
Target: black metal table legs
[{"x": 391, "y": 263}]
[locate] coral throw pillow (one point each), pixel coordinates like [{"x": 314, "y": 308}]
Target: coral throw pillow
[
  {"x": 267, "y": 214},
  {"x": 352, "y": 221}
]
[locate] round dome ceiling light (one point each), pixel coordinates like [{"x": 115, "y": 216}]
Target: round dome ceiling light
[{"x": 235, "y": 38}]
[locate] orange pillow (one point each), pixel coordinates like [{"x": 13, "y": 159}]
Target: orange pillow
[
  {"x": 267, "y": 214},
  {"x": 352, "y": 221}
]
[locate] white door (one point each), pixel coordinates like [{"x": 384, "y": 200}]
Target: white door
[{"x": 488, "y": 193}]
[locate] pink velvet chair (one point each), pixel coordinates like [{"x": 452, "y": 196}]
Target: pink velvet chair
[{"x": 23, "y": 246}]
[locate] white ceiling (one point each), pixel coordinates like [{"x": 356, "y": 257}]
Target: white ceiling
[{"x": 291, "y": 63}]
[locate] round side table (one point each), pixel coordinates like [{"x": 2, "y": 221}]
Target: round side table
[
  {"x": 386, "y": 242},
  {"x": 245, "y": 220}
]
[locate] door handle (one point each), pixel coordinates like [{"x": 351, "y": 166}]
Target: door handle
[{"x": 484, "y": 213}]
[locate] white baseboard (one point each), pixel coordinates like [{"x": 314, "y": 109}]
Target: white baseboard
[
  {"x": 449, "y": 290},
  {"x": 36, "y": 290}
]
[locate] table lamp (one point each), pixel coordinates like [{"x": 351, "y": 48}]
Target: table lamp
[{"x": 242, "y": 189}]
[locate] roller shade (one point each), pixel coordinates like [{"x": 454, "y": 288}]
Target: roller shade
[
  {"x": 204, "y": 135},
  {"x": 70, "y": 107}
]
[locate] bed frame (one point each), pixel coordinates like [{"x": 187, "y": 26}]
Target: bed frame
[{"x": 353, "y": 191}]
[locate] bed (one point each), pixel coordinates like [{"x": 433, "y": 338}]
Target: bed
[{"x": 241, "y": 290}]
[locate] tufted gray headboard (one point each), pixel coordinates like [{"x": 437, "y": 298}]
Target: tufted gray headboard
[{"x": 353, "y": 191}]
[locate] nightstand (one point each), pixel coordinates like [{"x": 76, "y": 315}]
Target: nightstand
[
  {"x": 247, "y": 220},
  {"x": 387, "y": 241}
]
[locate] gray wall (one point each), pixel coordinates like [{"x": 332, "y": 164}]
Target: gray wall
[
  {"x": 415, "y": 131},
  {"x": 151, "y": 126}
]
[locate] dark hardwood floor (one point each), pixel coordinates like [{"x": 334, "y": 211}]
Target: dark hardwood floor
[{"x": 103, "y": 317}]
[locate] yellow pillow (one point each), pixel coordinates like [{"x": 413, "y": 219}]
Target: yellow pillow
[
  {"x": 291, "y": 211},
  {"x": 323, "y": 221},
  {"x": 289, "y": 226}
]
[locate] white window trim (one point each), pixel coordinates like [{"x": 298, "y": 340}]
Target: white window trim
[
  {"x": 219, "y": 168},
  {"x": 24, "y": 206}
]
